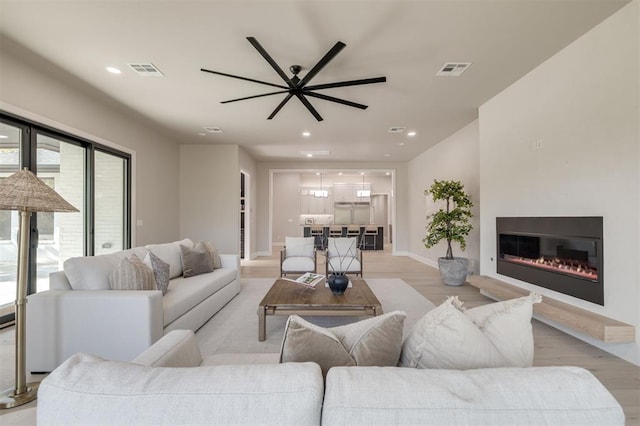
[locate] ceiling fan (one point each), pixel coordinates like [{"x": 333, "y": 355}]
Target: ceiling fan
[{"x": 298, "y": 87}]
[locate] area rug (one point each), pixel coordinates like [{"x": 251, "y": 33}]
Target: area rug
[{"x": 235, "y": 328}]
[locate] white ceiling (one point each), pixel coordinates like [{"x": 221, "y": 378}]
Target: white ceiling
[{"x": 406, "y": 41}]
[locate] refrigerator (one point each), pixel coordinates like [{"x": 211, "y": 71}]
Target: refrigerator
[{"x": 346, "y": 213}]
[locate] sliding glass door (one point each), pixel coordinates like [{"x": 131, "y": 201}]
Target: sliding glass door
[
  {"x": 11, "y": 138},
  {"x": 61, "y": 165},
  {"x": 93, "y": 178}
]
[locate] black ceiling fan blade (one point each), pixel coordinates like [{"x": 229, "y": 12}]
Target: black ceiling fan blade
[
  {"x": 322, "y": 63},
  {"x": 347, "y": 83},
  {"x": 270, "y": 60},
  {"x": 254, "y": 96},
  {"x": 280, "y": 105},
  {"x": 243, "y": 78},
  {"x": 338, "y": 100},
  {"x": 310, "y": 107}
]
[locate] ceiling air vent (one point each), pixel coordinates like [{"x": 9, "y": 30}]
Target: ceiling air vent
[
  {"x": 213, "y": 129},
  {"x": 146, "y": 70},
  {"x": 397, "y": 129},
  {"x": 453, "y": 69}
]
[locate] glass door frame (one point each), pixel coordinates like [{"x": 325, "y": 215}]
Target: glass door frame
[{"x": 28, "y": 158}]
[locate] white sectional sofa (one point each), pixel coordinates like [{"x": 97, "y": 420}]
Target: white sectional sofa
[
  {"x": 79, "y": 313},
  {"x": 89, "y": 390}
]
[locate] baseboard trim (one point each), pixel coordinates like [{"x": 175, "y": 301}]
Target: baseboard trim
[{"x": 428, "y": 262}]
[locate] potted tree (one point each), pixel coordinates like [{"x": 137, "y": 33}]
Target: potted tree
[{"x": 451, "y": 222}]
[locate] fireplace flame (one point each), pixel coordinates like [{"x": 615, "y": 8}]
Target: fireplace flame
[{"x": 556, "y": 264}]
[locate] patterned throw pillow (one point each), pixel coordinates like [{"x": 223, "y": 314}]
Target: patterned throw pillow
[
  {"x": 132, "y": 274},
  {"x": 160, "y": 271},
  {"x": 195, "y": 261},
  {"x": 374, "y": 342}
]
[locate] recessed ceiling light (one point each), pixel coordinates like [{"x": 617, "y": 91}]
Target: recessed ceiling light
[
  {"x": 306, "y": 134},
  {"x": 401, "y": 143},
  {"x": 113, "y": 70},
  {"x": 388, "y": 173},
  {"x": 3, "y": 136},
  {"x": 309, "y": 155},
  {"x": 339, "y": 173},
  {"x": 387, "y": 155},
  {"x": 317, "y": 173},
  {"x": 202, "y": 134},
  {"x": 411, "y": 133}
]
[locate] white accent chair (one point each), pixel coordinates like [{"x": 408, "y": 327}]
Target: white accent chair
[
  {"x": 298, "y": 256},
  {"x": 343, "y": 255}
]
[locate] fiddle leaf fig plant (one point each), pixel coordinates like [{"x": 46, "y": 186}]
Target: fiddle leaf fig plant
[{"x": 452, "y": 221}]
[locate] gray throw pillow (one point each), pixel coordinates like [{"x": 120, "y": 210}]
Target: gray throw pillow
[
  {"x": 195, "y": 262},
  {"x": 161, "y": 271},
  {"x": 132, "y": 274},
  {"x": 373, "y": 342}
]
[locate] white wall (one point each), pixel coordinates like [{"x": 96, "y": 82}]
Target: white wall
[
  {"x": 210, "y": 195},
  {"x": 36, "y": 89},
  {"x": 455, "y": 158},
  {"x": 286, "y": 206},
  {"x": 583, "y": 105},
  {"x": 398, "y": 197}
]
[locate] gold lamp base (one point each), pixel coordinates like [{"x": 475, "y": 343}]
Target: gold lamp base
[{"x": 8, "y": 398}]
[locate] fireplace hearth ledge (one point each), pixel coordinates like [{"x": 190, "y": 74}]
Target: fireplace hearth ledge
[{"x": 597, "y": 326}]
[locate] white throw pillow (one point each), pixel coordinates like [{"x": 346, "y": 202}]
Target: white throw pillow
[
  {"x": 170, "y": 253},
  {"x": 507, "y": 325},
  {"x": 447, "y": 338},
  {"x": 299, "y": 246}
]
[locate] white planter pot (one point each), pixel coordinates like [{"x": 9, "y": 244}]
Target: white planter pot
[{"x": 453, "y": 271}]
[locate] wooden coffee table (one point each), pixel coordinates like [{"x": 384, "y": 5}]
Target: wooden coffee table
[{"x": 289, "y": 298}]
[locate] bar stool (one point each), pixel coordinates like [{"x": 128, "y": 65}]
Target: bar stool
[
  {"x": 335, "y": 231},
  {"x": 370, "y": 231},
  {"x": 317, "y": 232},
  {"x": 353, "y": 231}
]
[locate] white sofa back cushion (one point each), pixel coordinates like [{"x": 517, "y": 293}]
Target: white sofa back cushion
[
  {"x": 88, "y": 390},
  {"x": 490, "y": 396},
  {"x": 170, "y": 253},
  {"x": 92, "y": 272}
]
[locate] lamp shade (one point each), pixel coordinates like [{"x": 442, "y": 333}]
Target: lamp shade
[{"x": 25, "y": 192}]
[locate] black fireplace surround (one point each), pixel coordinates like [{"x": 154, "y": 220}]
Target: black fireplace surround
[{"x": 559, "y": 253}]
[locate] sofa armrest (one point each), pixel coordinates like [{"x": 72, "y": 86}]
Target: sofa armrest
[
  {"x": 178, "y": 348},
  {"x": 117, "y": 325},
  {"x": 231, "y": 261}
]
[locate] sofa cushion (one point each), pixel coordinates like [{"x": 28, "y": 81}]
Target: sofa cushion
[
  {"x": 92, "y": 272},
  {"x": 170, "y": 253},
  {"x": 89, "y": 390},
  {"x": 497, "y": 396},
  {"x": 374, "y": 341},
  {"x": 160, "y": 271},
  {"x": 185, "y": 293},
  {"x": 196, "y": 260},
  {"x": 446, "y": 338},
  {"x": 132, "y": 274}
]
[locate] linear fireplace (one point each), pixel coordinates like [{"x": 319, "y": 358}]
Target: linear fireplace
[{"x": 560, "y": 253}]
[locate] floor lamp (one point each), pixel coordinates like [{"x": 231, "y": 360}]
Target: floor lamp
[{"x": 24, "y": 192}]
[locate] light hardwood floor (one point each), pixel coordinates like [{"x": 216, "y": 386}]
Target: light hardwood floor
[{"x": 552, "y": 347}]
